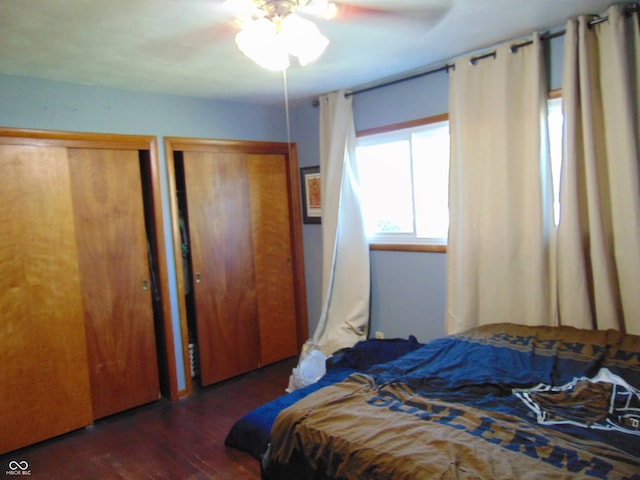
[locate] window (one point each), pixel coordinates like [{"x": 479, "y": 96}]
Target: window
[{"x": 404, "y": 179}]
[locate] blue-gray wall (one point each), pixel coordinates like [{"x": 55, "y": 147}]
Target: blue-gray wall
[
  {"x": 408, "y": 293},
  {"x": 305, "y": 128}
]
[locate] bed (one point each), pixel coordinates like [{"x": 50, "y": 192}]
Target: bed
[{"x": 498, "y": 401}]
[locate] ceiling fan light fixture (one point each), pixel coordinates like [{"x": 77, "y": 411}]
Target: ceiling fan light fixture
[
  {"x": 302, "y": 39},
  {"x": 320, "y": 8},
  {"x": 260, "y": 41},
  {"x": 269, "y": 41}
]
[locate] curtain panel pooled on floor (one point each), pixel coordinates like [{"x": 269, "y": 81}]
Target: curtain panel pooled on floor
[
  {"x": 346, "y": 276},
  {"x": 346, "y": 281}
]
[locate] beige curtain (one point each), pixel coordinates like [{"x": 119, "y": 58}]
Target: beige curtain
[
  {"x": 599, "y": 232},
  {"x": 346, "y": 278},
  {"x": 346, "y": 275},
  {"x": 500, "y": 196}
]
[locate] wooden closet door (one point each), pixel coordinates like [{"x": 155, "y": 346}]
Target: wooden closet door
[
  {"x": 271, "y": 233},
  {"x": 44, "y": 377},
  {"x": 220, "y": 231},
  {"x": 114, "y": 270}
]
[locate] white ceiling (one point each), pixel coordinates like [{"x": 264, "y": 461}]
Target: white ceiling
[{"x": 187, "y": 47}]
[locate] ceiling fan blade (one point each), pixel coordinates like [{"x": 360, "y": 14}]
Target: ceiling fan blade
[
  {"x": 205, "y": 23},
  {"x": 184, "y": 46},
  {"x": 380, "y": 11}
]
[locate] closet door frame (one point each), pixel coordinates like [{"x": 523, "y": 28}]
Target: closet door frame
[
  {"x": 50, "y": 138},
  {"x": 289, "y": 151}
]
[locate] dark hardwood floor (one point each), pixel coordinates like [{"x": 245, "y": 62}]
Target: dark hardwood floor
[{"x": 162, "y": 440}]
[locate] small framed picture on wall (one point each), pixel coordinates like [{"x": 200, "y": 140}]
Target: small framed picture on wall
[{"x": 311, "y": 206}]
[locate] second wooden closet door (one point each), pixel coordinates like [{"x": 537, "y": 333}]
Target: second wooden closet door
[
  {"x": 222, "y": 259},
  {"x": 114, "y": 272},
  {"x": 271, "y": 223},
  {"x": 239, "y": 225}
]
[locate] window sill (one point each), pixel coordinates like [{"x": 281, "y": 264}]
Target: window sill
[{"x": 408, "y": 248}]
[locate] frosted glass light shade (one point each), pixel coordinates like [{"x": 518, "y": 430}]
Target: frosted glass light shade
[
  {"x": 270, "y": 42},
  {"x": 261, "y": 43},
  {"x": 321, "y": 8},
  {"x": 302, "y": 39}
]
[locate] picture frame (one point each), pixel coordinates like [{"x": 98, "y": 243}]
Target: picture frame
[{"x": 310, "y": 184}]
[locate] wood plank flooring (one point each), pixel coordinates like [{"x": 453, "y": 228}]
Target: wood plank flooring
[{"x": 162, "y": 440}]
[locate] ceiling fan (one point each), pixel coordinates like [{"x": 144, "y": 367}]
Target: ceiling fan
[
  {"x": 281, "y": 8},
  {"x": 265, "y": 18},
  {"x": 336, "y": 9},
  {"x": 273, "y": 30}
]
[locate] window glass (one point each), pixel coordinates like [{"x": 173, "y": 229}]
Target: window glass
[
  {"x": 431, "y": 174},
  {"x": 385, "y": 178},
  {"x": 556, "y": 121},
  {"x": 404, "y": 184}
]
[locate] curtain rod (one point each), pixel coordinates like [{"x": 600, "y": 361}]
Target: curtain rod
[
  {"x": 451, "y": 66},
  {"x": 387, "y": 83},
  {"x": 447, "y": 66}
]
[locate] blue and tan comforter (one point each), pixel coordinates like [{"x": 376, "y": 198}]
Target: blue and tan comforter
[{"x": 500, "y": 401}]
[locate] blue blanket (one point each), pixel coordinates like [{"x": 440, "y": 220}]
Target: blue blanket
[{"x": 252, "y": 432}]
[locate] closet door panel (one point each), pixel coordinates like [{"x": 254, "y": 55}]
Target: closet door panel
[
  {"x": 43, "y": 357},
  {"x": 222, "y": 258},
  {"x": 114, "y": 268},
  {"x": 271, "y": 235}
]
